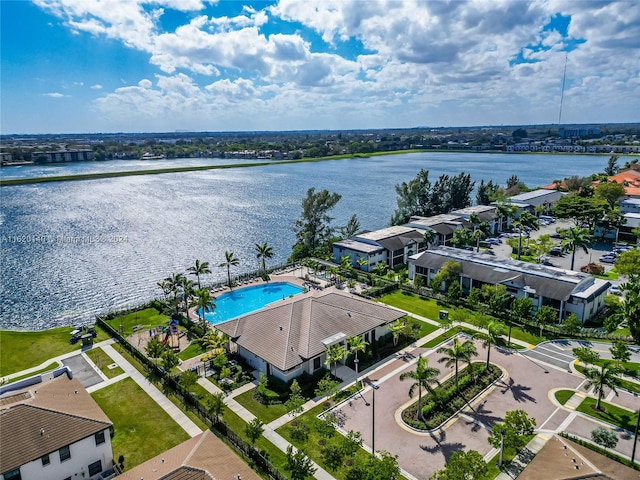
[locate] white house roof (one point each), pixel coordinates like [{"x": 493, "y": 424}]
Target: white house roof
[
  {"x": 633, "y": 220},
  {"x": 385, "y": 233},
  {"x": 538, "y": 197},
  {"x": 357, "y": 246}
]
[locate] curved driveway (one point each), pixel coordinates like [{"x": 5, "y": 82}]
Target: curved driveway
[{"x": 526, "y": 387}]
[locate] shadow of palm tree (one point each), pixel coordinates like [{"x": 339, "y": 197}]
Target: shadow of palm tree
[
  {"x": 407, "y": 356},
  {"x": 518, "y": 391},
  {"x": 480, "y": 414},
  {"x": 447, "y": 449}
]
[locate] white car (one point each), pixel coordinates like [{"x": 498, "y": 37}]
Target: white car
[
  {"x": 608, "y": 259},
  {"x": 615, "y": 290}
]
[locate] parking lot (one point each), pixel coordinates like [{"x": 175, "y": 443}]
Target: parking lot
[{"x": 564, "y": 261}]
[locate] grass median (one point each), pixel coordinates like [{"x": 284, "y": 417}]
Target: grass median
[{"x": 610, "y": 413}]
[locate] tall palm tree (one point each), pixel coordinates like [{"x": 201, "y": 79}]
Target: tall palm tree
[
  {"x": 396, "y": 328},
  {"x": 424, "y": 377},
  {"x": 575, "y": 238},
  {"x": 335, "y": 353},
  {"x": 380, "y": 269},
  {"x": 607, "y": 375},
  {"x": 230, "y": 261},
  {"x": 204, "y": 303},
  {"x": 526, "y": 220},
  {"x": 187, "y": 293},
  {"x": 494, "y": 333},
  {"x": 166, "y": 288},
  {"x": 459, "y": 351},
  {"x": 504, "y": 211},
  {"x": 199, "y": 268},
  {"x": 174, "y": 284},
  {"x": 357, "y": 344},
  {"x": 263, "y": 252}
]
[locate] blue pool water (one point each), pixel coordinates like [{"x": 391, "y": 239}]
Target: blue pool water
[{"x": 245, "y": 300}]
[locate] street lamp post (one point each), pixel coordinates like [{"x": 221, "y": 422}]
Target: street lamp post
[
  {"x": 635, "y": 437},
  {"x": 502, "y": 432},
  {"x": 355, "y": 363},
  {"x": 374, "y": 387}
]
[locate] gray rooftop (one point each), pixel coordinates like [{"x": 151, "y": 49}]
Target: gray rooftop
[
  {"x": 287, "y": 334},
  {"x": 357, "y": 246}
]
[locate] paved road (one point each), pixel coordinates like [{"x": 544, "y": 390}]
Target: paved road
[{"x": 559, "y": 352}]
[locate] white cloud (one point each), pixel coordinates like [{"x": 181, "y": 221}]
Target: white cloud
[
  {"x": 97, "y": 86},
  {"x": 54, "y": 95},
  {"x": 420, "y": 59}
]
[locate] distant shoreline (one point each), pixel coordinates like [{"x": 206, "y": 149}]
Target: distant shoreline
[{"x": 100, "y": 175}]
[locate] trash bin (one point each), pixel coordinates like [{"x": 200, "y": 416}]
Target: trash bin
[{"x": 444, "y": 314}]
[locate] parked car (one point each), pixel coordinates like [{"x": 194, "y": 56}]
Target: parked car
[
  {"x": 556, "y": 252},
  {"x": 485, "y": 244},
  {"x": 608, "y": 259},
  {"x": 547, "y": 218},
  {"x": 547, "y": 262},
  {"x": 493, "y": 241},
  {"x": 615, "y": 290}
]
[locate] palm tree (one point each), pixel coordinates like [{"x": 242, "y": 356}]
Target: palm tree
[
  {"x": 504, "y": 210},
  {"x": 166, "y": 288},
  {"x": 396, "y": 328},
  {"x": 380, "y": 269},
  {"x": 495, "y": 330},
  {"x": 204, "y": 303},
  {"x": 459, "y": 351},
  {"x": 230, "y": 261},
  {"x": 526, "y": 220},
  {"x": 187, "y": 293},
  {"x": 357, "y": 344},
  {"x": 335, "y": 353},
  {"x": 173, "y": 284},
  {"x": 212, "y": 340},
  {"x": 607, "y": 375},
  {"x": 199, "y": 268},
  {"x": 575, "y": 238},
  {"x": 424, "y": 376},
  {"x": 362, "y": 262},
  {"x": 264, "y": 252}
]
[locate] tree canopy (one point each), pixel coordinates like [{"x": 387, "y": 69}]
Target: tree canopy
[
  {"x": 313, "y": 229},
  {"x": 422, "y": 198}
]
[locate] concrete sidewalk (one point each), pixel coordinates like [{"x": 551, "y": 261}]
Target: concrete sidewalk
[
  {"x": 57, "y": 359},
  {"x": 174, "y": 412}
]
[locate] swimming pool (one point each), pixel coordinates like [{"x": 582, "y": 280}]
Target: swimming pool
[{"x": 245, "y": 300}]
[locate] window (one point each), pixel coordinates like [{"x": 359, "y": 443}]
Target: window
[
  {"x": 45, "y": 460},
  {"x": 316, "y": 363},
  {"x": 13, "y": 475},
  {"x": 95, "y": 468},
  {"x": 65, "y": 453},
  {"x": 366, "y": 337},
  {"x": 99, "y": 437}
]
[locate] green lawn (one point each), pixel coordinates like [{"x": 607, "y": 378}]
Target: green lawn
[
  {"x": 102, "y": 361},
  {"x": 193, "y": 350},
  {"x": 48, "y": 368},
  {"x": 430, "y": 309},
  {"x": 563, "y": 396},
  {"x": 626, "y": 384},
  {"x": 142, "y": 429},
  {"x": 148, "y": 318},
  {"x": 22, "y": 350},
  {"x": 266, "y": 413},
  {"x": 413, "y": 303},
  {"x": 276, "y": 456},
  {"x": 610, "y": 275},
  {"x": 612, "y": 414}
]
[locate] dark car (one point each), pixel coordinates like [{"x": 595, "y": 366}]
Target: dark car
[{"x": 556, "y": 252}]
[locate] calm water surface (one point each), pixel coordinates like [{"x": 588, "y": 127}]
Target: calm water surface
[{"x": 71, "y": 250}]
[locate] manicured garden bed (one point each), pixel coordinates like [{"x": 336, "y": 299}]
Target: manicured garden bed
[
  {"x": 266, "y": 413},
  {"x": 446, "y": 400}
]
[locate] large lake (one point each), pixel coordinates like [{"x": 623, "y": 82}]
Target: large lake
[{"x": 71, "y": 250}]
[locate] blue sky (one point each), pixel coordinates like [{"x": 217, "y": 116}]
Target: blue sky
[{"x": 165, "y": 65}]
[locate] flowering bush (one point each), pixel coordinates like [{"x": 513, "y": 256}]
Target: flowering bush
[{"x": 593, "y": 269}]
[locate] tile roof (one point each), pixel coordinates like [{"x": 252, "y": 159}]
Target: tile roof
[
  {"x": 203, "y": 457},
  {"x": 28, "y": 432},
  {"x": 62, "y": 407},
  {"x": 288, "y": 334}
]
